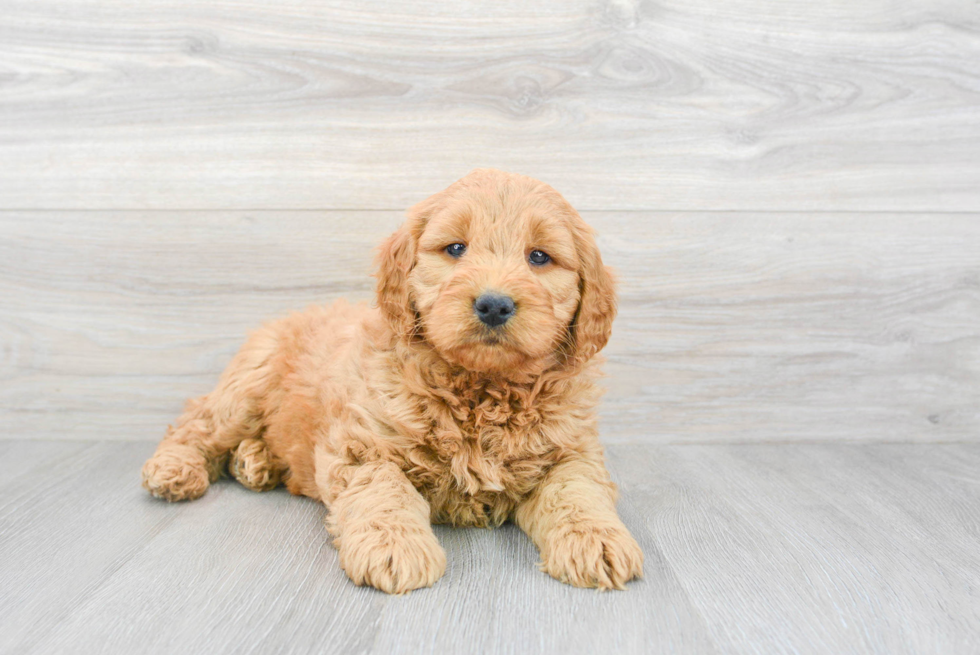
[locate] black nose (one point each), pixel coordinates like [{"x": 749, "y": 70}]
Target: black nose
[{"x": 494, "y": 310}]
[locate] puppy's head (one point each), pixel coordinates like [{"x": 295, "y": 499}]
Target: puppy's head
[{"x": 499, "y": 274}]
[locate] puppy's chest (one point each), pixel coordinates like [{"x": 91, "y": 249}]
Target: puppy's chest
[{"x": 481, "y": 463}]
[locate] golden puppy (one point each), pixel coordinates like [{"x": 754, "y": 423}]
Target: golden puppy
[{"x": 467, "y": 397}]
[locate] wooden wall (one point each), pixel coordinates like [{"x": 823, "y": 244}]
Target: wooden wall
[{"x": 789, "y": 190}]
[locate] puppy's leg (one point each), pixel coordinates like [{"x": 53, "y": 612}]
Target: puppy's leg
[
  {"x": 194, "y": 452},
  {"x": 382, "y": 529},
  {"x": 571, "y": 517},
  {"x": 252, "y": 464}
]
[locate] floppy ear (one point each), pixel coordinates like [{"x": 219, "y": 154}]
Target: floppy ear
[
  {"x": 592, "y": 325},
  {"x": 395, "y": 261}
]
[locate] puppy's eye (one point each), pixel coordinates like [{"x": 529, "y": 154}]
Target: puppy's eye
[
  {"x": 538, "y": 258},
  {"x": 456, "y": 249}
]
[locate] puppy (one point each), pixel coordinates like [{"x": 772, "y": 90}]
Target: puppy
[{"x": 468, "y": 396}]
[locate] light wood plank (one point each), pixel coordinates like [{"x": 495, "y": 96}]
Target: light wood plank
[
  {"x": 619, "y": 104},
  {"x": 733, "y": 327},
  {"x": 495, "y": 600},
  {"x": 90, "y": 563},
  {"x": 242, "y": 572},
  {"x": 830, "y": 548},
  {"x": 750, "y": 549},
  {"x": 791, "y": 327},
  {"x": 28, "y": 458},
  {"x": 64, "y": 528}
]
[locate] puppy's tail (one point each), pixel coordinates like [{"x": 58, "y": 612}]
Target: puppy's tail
[{"x": 194, "y": 452}]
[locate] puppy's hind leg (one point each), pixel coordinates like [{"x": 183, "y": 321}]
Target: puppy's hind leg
[
  {"x": 180, "y": 469},
  {"x": 193, "y": 453},
  {"x": 254, "y": 465}
]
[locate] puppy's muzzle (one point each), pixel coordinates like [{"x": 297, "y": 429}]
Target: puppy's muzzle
[{"x": 493, "y": 309}]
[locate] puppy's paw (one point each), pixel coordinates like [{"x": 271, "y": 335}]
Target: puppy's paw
[
  {"x": 176, "y": 472},
  {"x": 254, "y": 466},
  {"x": 394, "y": 561},
  {"x": 587, "y": 554}
]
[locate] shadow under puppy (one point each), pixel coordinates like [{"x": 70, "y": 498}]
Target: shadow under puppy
[{"x": 468, "y": 396}]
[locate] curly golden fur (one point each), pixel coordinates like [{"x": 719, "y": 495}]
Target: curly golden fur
[{"x": 417, "y": 412}]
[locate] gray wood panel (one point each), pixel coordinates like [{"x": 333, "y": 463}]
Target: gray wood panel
[
  {"x": 749, "y": 549},
  {"x": 678, "y": 104},
  {"x": 733, "y": 327},
  {"x": 103, "y": 567},
  {"x": 819, "y": 548}
]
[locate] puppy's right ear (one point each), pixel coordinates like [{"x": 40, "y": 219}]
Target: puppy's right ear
[{"x": 395, "y": 261}]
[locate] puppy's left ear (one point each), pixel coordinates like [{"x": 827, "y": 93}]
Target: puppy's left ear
[
  {"x": 592, "y": 325},
  {"x": 395, "y": 261}
]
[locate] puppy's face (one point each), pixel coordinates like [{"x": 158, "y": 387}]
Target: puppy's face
[
  {"x": 503, "y": 276},
  {"x": 496, "y": 280}
]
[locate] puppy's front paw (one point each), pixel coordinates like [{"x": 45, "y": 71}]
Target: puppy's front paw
[
  {"x": 176, "y": 472},
  {"x": 394, "y": 561},
  {"x": 586, "y": 554}
]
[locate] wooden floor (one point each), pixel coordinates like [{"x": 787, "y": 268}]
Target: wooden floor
[
  {"x": 749, "y": 549},
  {"x": 788, "y": 190}
]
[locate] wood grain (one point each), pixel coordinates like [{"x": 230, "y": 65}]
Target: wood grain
[
  {"x": 749, "y": 549},
  {"x": 789, "y": 192},
  {"x": 829, "y": 548},
  {"x": 746, "y": 327},
  {"x": 750, "y": 105}
]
